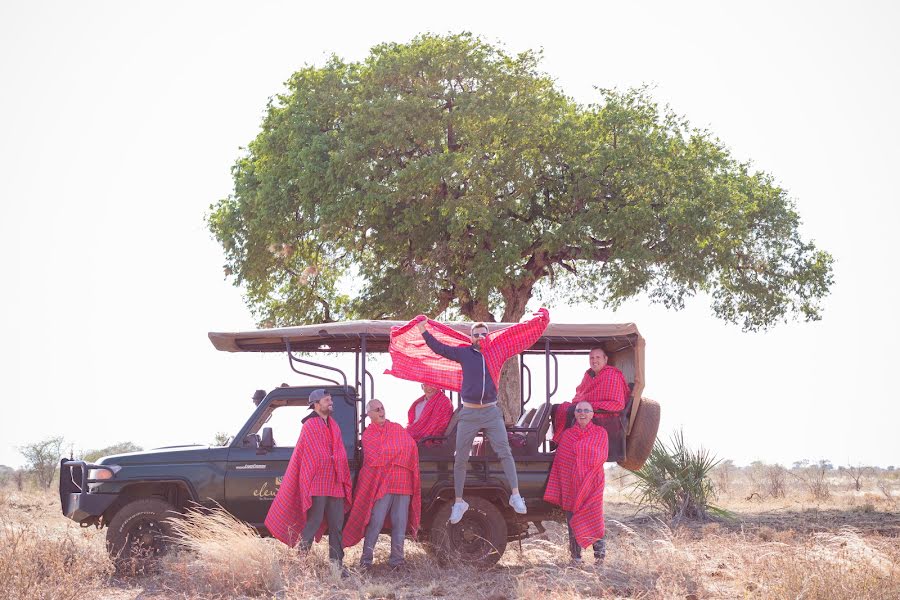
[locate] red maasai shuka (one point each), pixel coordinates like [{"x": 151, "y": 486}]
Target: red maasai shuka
[
  {"x": 435, "y": 417},
  {"x": 607, "y": 390},
  {"x": 390, "y": 466},
  {"x": 577, "y": 478},
  {"x": 414, "y": 360},
  {"x": 318, "y": 467}
]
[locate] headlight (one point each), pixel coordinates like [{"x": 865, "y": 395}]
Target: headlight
[{"x": 100, "y": 474}]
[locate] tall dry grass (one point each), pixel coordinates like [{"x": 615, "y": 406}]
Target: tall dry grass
[
  {"x": 43, "y": 561},
  {"x": 782, "y": 547}
]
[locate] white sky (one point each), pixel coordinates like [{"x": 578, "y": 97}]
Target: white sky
[{"x": 119, "y": 123}]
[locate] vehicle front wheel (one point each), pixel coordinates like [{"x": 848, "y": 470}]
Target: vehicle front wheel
[
  {"x": 139, "y": 535},
  {"x": 478, "y": 539}
]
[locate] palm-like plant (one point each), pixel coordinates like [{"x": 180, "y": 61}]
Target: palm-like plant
[{"x": 677, "y": 480}]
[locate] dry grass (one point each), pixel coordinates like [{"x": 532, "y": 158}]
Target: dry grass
[
  {"x": 39, "y": 559},
  {"x": 779, "y": 547}
]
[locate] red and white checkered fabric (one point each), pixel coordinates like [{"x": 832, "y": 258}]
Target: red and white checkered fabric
[
  {"x": 607, "y": 390},
  {"x": 318, "y": 467},
  {"x": 390, "y": 466},
  {"x": 413, "y": 359},
  {"x": 577, "y": 478},
  {"x": 434, "y": 419}
]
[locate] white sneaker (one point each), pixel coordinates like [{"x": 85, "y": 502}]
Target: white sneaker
[
  {"x": 459, "y": 509},
  {"x": 518, "y": 504}
]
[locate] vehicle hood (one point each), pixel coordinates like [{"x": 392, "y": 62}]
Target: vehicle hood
[{"x": 171, "y": 454}]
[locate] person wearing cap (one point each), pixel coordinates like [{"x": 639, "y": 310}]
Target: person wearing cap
[
  {"x": 316, "y": 485},
  {"x": 388, "y": 488},
  {"x": 481, "y": 362}
]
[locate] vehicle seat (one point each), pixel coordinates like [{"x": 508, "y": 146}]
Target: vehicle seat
[{"x": 443, "y": 445}]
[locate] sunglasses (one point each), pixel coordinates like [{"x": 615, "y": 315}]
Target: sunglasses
[
  {"x": 479, "y": 335},
  {"x": 584, "y": 410}
]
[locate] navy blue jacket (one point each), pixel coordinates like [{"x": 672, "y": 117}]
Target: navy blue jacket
[{"x": 477, "y": 385}]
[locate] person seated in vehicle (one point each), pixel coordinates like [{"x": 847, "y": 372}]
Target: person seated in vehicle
[
  {"x": 576, "y": 482},
  {"x": 480, "y": 362},
  {"x": 603, "y": 386},
  {"x": 316, "y": 485},
  {"x": 430, "y": 414},
  {"x": 387, "y": 488}
]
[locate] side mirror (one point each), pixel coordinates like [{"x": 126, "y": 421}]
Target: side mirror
[{"x": 267, "y": 442}]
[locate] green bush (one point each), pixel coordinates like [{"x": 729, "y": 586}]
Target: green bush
[{"x": 677, "y": 480}]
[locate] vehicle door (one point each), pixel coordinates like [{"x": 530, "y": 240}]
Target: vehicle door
[{"x": 254, "y": 474}]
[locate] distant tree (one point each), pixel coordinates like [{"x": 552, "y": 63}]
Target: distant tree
[
  {"x": 42, "y": 458},
  {"x": 800, "y": 464},
  {"x": 856, "y": 473},
  {"x": 825, "y": 464},
  {"x": 445, "y": 173},
  {"x": 221, "y": 439},
  {"x": 7, "y": 474},
  {"x": 120, "y": 448}
]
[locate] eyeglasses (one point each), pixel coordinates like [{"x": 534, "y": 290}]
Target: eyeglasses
[
  {"x": 479, "y": 335},
  {"x": 584, "y": 410},
  {"x": 379, "y": 409}
]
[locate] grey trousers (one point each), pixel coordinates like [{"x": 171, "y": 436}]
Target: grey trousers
[
  {"x": 575, "y": 550},
  {"x": 489, "y": 419},
  {"x": 332, "y": 509},
  {"x": 398, "y": 506}
]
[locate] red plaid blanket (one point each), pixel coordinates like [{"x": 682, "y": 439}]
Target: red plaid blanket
[
  {"x": 577, "y": 478},
  {"x": 390, "y": 466},
  {"x": 413, "y": 359},
  {"x": 318, "y": 467},
  {"x": 607, "y": 390},
  {"x": 435, "y": 417}
]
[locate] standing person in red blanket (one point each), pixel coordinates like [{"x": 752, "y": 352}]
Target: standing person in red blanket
[
  {"x": 603, "y": 386},
  {"x": 430, "y": 414},
  {"x": 388, "y": 485},
  {"x": 315, "y": 485},
  {"x": 576, "y": 482},
  {"x": 481, "y": 362}
]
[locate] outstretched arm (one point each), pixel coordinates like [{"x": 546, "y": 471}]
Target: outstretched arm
[
  {"x": 451, "y": 352},
  {"x": 516, "y": 338}
]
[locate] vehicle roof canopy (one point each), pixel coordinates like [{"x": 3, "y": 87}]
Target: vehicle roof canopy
[
  {"x": 622, "y": 342},
  {"x": 345, "y": 336}
]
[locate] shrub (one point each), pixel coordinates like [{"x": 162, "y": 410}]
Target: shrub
[{"x": 677, "y": 480}]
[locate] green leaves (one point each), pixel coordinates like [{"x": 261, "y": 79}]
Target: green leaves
[
  {"x": 677, "y": 480},
  {"x": 445, "y": 173}
]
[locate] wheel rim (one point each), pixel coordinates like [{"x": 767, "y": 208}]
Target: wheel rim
[
  {"x": 470, "y": 539},
  {"x": 147, "y": 538}
]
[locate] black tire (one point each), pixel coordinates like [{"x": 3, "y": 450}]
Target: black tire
[
  {"x": 640, "y": 441},
  {"x": 478, "y": 539},
  {"x": 139, "y": 535}
]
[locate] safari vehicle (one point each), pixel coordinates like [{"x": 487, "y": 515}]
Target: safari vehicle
[{"x": 135, "y": 494}]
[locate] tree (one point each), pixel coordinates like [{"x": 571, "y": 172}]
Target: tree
[
  {"x": 42, "y": 458},
  {"x": 445, "y": 174},
  {"x": 856, "y": 473},
  {"x": 221, "y": 439},
  {"x": 120, "y": 448}
]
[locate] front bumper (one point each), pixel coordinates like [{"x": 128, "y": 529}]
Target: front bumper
[{"x": 76, "y": 499}]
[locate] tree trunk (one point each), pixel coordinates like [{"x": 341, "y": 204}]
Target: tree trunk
[
  {"x": 510, "y": 386},
  {"x": 508, "y": 391}
]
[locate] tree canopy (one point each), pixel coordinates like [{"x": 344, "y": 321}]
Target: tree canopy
[{"x": 445, "y": 173}]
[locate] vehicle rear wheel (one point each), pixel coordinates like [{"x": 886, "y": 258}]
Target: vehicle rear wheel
[
  {"x": 643, "y": 435},
  {"x": 478, "y": 539},
  {"x": 139, "y": 535}
]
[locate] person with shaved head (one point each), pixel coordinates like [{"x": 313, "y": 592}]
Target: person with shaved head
[
  {"x": 603, "y": 386},
  {"x": 576, "y": 482},
  {"x": 387, "y": 490}
]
